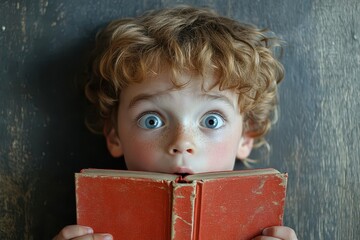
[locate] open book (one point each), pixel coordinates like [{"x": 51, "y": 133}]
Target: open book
[{"x": 146, "y": 205}]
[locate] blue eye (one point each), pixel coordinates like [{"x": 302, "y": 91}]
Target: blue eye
[
  {"x": 212, "y": 121},
  {"x": 150, "y": 121}
]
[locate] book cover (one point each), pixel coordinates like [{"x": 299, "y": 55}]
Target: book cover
[{"x": 144, "y": 205}]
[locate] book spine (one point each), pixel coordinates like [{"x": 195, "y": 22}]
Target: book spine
[
  {"x": 197, "y": 210},
  {"x": 183, "y": 206}
]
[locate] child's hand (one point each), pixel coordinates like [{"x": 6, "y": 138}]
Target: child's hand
[
  {"x": 279, "y": 232},
  {"x": 81, "y": 233}
]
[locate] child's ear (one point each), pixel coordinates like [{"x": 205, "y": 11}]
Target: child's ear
[
  {"x": 245, "y": 147},
  {"x": 113, "y": 142}
]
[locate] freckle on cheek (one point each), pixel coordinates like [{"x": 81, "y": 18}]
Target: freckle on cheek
[{"x": 163, "y": 140}]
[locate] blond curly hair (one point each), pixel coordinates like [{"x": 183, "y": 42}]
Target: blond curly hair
[{"x": 186, "y": 39}]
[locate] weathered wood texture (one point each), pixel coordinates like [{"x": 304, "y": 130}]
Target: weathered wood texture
[{"x": 43, "y": 140}]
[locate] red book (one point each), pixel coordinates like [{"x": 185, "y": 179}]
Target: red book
[{"x": 145, "y": 205}]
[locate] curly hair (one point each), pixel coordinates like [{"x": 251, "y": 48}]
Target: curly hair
[{"x": 186, "y": 39}]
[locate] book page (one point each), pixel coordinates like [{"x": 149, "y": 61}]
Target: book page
[
  {"x": 225, "y": 174},
  {"x": 127, "y": 173}
]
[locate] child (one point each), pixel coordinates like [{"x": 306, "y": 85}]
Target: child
[{"x": 184, "y": 91}]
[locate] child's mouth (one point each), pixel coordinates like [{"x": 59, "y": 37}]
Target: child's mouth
[
  {"x": 183, "y": 171},
  {"x": 183, "y": 175}
]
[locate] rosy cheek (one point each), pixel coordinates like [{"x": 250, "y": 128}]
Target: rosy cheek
[
  {"x": 223, "y": 152},
  {"x": 225, "y": 147},
  {"x": 142, "y": 154}
]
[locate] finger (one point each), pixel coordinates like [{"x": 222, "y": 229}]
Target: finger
[
  {"x": 98, "y": 236},
  {"x": 73, "y": 231},
  {"x": 280, "y": 232},
  {"x": 265, "y": 238}
]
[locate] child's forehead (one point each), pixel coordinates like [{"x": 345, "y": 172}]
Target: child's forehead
[
  {"x": 163, "y": 85},
  {"x": 171, "y": 80}
]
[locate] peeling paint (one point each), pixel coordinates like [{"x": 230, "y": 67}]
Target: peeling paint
[
  {"x": 259, "y": 189},
  {"x": 183, "y": 206},
  {"x": 43, "y": 6},
  {"x": 284, "y": 179},
  {"x": 251, "y": 218},
  {"x": 16, "y": 185},
  {"x": 177, "y": 217},
  {"x": 23, "y": 23}
]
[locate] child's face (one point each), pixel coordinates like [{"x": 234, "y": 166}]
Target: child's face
[{"x": 187, "y": 130}]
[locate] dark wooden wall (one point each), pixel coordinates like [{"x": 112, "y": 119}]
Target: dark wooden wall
[{"x": 43, "y": 140}]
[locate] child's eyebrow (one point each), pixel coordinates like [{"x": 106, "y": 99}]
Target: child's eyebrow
[
  {"x": 140, "y": 97},
  {"x": 220, "y": 97},
  {"x": 206, "y": 96}
]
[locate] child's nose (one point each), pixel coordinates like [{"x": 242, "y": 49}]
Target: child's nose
[
  {"x": 181, "y": 149},
  {"x": 182, "y": 143}
]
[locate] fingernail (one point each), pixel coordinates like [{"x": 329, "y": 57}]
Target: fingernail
[
  {"x": 107, "y": 237},
  {"x": 89, "y": 230}
]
